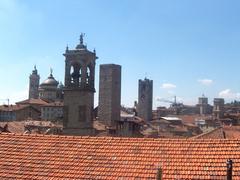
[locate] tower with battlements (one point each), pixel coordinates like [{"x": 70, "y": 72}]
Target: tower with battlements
[{"x": 145, "y": 99}]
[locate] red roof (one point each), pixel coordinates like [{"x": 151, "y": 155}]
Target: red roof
[
  {"x": 67, "y": 157},
  {"x": 225, "y": 132},
  {"x": 217, "y": 133},
  {"x": 13, "y": 107},
  {"x": 232, "y": 132},
  {"x": 33, "y": 101}
]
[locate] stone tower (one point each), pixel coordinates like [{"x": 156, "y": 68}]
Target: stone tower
[
  {"x": 145, "y": 99},
  {"x": 34, "y": 84},
  {"x": 79, "y": 90},
  {"x": 109, "y": 94},
  {"x": 203, "y": 105},
  {"x": 218, "y": 108}
]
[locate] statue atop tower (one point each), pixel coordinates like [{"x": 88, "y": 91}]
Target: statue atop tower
[{"x": 79, "y": 90}]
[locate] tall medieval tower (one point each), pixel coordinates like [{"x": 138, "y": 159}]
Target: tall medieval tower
[
  {"x": 145, "y": 99},
  {"x": 203, "y": 105},
  {"x": 34, "y": 84},
  {"x": 109, "y": 94},
  {"x": 79, "y": 90}
]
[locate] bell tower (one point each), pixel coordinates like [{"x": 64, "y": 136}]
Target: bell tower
[
  {"x": 79, "y": 90},
  {"x": 34, "y": 84}
]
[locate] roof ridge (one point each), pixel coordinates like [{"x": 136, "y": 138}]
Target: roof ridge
[
  {"x": 117, "y": 138},
  {"x": 206, "y": 133}
]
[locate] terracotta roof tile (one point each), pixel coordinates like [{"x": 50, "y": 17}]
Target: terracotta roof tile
[
  {"x": 33, "y": 101},
  {"x": 67, "y": 157},
  {"x": 12, "y": 107},
  {"x": 217, "y": 133},
  {"x": 232, "y": 132},
  {"x": 225, "y": 132}
]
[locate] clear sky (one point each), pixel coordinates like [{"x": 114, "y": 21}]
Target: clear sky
[{"x": 186, "y": 47}]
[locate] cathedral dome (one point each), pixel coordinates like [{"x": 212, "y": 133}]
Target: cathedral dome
[{"x": 50, "y": 81}]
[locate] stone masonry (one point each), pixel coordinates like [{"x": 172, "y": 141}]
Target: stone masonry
[
  {"x": 109, "y": 94},
  {"x": 145, "y": 99},
  {"x": 79, "y": 90}
]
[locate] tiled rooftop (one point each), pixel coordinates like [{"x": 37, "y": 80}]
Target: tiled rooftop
[
  {"x": 232, "y": 132},
  {"x": 33, "y": 101},
  {"x": 12, "y": 107},
  {"x": 19, "y": 126},
  {"x": 217, "y": 133},
  {"x": 225, "y": 132},
  {"x": 14, "y": 126},
  {"x": 67, "y": 157}
]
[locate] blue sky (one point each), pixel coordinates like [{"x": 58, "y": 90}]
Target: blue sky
[{"x": 187, "y": 47}]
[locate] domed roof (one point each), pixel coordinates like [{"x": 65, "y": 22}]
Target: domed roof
[{"x": 50, "y": 81}]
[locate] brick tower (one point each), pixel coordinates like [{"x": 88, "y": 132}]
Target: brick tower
[{"x": 79, "y": 90}]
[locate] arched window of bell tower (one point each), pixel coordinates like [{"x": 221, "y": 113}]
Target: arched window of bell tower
[
  {"x": 75, "y": 74},
  {"x": 88, "y": 74},
  {"x": 80, "y": 75},
  {"x": 71, "y": 72}
]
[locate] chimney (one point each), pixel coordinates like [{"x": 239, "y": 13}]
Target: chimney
[
  {"x": 229, "y": 169},
  {"x": 159, "y": 174}
]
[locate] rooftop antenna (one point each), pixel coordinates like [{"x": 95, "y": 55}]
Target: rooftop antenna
[
  {"x": 229, "y": 169},
  {"x": 51, "y": 71}
]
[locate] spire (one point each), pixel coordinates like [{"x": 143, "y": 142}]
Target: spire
[{"x": 51, "y": 71}]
